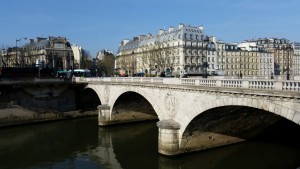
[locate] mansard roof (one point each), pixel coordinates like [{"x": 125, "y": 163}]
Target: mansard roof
[
  {"x": 42, "y": 43},
  {"x": 195, "y": 34}
]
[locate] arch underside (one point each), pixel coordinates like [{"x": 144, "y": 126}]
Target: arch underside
[
  {"x": 89, "y": 99},
  {"x": 226, "y": 125},
  {"x": 130, "y": 107}
]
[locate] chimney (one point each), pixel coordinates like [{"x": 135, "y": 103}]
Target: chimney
[
  {"x": 171, "y": 29},
  {"x": 135, "y": 38},
  {"x": 180, "y": 26},
  {"x": 161, "y": 31},
  {"x": 38, "y": 39},
  {"x": 142, "y": 37},
  {"x": 201, "y": 28}
]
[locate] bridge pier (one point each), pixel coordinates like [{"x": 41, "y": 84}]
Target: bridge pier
[
  {"x": 168, "y": 137},
  {"x": 104, "y": 115}
]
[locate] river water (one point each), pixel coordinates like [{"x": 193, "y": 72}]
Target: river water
[{"x": 81, "y": 144}]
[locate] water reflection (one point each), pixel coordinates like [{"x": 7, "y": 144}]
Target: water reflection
[
  {"x": 132, "y": 146},
  {"x": 248, "y": 155},
  {"x": 82, "y": 144}
]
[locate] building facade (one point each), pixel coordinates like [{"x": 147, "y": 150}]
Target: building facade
[
  {"x": 175, "y": 51},
  {"x": 51, "y": 52},
  {"x": 101, "y": 55},
  {"x": 296, "y": 59},
  {"x": 283, "y": 55},
  {"x": 77, "y": 51},
  {"x": 256, "y": 61},
  {"x": 187, "y": 50}
]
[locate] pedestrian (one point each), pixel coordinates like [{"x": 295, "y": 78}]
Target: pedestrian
[{"x": 272, "y": 76}]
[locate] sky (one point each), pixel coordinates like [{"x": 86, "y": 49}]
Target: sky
[{"x": 103, "y": 24}]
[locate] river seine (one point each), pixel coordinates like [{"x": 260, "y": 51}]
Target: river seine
[{"x": 81, "y": 144}]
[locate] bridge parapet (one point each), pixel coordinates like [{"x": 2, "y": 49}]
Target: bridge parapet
[{"x": 281, "y": 85}]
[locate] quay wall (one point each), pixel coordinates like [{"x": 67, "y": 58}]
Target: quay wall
[
  {"x": 40, "y": 103},
  {"x": 12, "y": 115}
]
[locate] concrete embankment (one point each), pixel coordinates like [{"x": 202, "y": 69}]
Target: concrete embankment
[{"x": 11, "y": 115}]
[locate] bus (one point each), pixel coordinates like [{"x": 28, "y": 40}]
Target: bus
[
  {"x": 73, "y": 73},
  {"x": 81, "y": 73},
  {"x": 62, "y": 73}
]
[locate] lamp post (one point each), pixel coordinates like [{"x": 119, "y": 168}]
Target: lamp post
[
  {"x": 288, "y": 62},
  {"x": 17, "y": 40},
  {"x": 204, "y": 63},
  {"x": 171, "y": 69},
  {"x": 17, "y": 63}
]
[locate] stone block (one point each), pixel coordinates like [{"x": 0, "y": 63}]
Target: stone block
[
  {"x": 278, "y": 109},
  {"x": 271, "y": 108},
  {"x": 245, "y": 101},
  {"x": 290, "y": 115},
  {"x": 296, "y": 118},
  {"x": 284, "y": 111},
  {"x": 239, "y": 101}
]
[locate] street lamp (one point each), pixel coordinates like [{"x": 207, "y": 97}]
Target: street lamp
[
  {"x": 288, "y": 60},
  {"x": 287, "y": 49},
  {"x": 204, "y": 67},
  {"x": 17, "y": 40},
  {"x": 204, "y": 56}
]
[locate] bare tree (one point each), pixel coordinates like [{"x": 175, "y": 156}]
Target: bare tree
[
  {"x": 107, "y": 64},
  {"x": 28, "y": 56},
  {"x": 86, "y": 60},
  {"x": 157, "y": 56},
  {"x": 128, "y": 63},
  {"x": 4, "y": 57}
]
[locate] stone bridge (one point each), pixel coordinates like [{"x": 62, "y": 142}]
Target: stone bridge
[{"x": 196, "y": 114}]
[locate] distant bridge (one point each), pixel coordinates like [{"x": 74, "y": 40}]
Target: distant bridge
[{"x": 195, "y": 113}]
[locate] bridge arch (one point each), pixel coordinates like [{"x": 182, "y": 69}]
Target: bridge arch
[
  {"x": 96, "y": 91},
  {"x": 89, "y": 99},
  {"x": 131, "y": 106},
  {"x": 142, "y": 94},
  {"x": 273, "y": 107},
  {"x": 269, "y": 112}
]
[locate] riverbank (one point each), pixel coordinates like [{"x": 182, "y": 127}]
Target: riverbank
[{"x": 12, "y": 115}]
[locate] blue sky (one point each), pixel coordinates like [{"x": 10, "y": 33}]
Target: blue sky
[{"x": 102, "y": 24}]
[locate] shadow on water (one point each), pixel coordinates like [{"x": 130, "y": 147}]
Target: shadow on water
[
  {"x": 135, "y": 146},
  {"x": 82, "y": 144},
  {"x": 247, "y": 155},
  {"x": 50, "y": 143},
  {"x": 276, "y": 148}
]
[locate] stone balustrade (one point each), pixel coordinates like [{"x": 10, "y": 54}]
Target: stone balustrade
[{"x": 260, "y": 84}]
